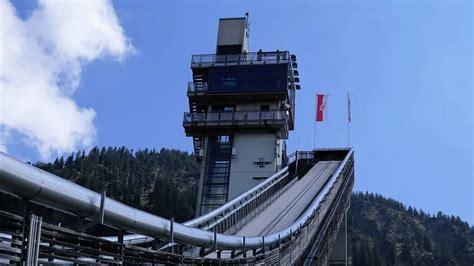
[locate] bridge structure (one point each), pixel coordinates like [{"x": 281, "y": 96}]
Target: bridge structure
[
  {"x": 296, "y": 216},
  {"x": 257, "y": 204}
]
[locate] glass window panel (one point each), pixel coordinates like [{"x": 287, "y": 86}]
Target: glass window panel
[{"x": 224, "y": 139}]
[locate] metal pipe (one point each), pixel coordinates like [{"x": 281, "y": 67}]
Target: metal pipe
[{"x": 26, "y": 181}]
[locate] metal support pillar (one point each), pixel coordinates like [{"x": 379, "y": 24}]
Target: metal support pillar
[
  {"x": 215, "y": 239},
  {"x": 279, "y": 249},
  {"x": 122, "y": 247},
  {"x": 296, "y": 167},
  {"x": 26, "y": 211},
  {"x": 103, "y": 195},
  {"x": 339, "y": 250},
  {"x": 291, "y": 241},
  {"x": 33, "y": 242},
  {"x": 172, "y": 235}
]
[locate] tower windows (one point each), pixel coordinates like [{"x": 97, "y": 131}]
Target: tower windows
[
  {"x": 223, "y": 139},
  {"x": 271, "y": 77}
]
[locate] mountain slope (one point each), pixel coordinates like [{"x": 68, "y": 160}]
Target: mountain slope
[
  {"x": 384, "y": 232},
  {"x": 162, "y": 182}
]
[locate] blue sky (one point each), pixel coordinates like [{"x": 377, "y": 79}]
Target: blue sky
[{"x": 407, "y": 64}]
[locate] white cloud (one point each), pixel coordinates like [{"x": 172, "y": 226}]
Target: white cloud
[{"x": 41, "y": 59}]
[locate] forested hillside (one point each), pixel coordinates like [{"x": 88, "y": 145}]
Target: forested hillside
[
  {"x": 384, "y": 232},
  {"x": 381, "y": 231},
  {"x": 163, "y": 182}
]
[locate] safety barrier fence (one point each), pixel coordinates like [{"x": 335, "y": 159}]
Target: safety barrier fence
[
  {"x": 234, "y": 117},
  {"x": 32, "y": 242},
  {"x": 206, "y": 60}
]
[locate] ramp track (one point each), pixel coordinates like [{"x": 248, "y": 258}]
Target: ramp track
[{"x": 289, "y": 206}]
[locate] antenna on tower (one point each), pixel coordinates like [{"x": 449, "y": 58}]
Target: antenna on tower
[{"x": 247, "y": 33}]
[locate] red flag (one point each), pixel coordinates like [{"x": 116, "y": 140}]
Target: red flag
[{"x": 320, "y": 107}]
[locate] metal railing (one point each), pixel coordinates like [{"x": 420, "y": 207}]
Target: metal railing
[
  {"x": 196, "y": 87},
  {"x": 210, "y": 219},
  {"x": 317, "y": 223},
  {"x": 203, "y": 60},
  {"x": 241, "y": 117},
  {"x": 232, "y": 220},
  {"x": 29, "y": 241}
]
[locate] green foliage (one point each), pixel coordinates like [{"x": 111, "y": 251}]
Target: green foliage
[
  {"x": 384, "y": 232},
  {"x": 164, "y": 182}
]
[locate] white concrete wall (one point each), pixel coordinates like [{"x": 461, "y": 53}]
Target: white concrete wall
[
  {"x": 279, "y": 152},
  {"x": 245, "y": 46},
  {"x": 249, "y": 148},
  {"x": 232, "y": 32}
]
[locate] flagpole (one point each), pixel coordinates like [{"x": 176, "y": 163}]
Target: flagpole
[
  {"x": 307, "y": 146},
  {"x": 307, "y": 140},
  {"x": 348, "y": 134},
  {"x": 315, "y": 118},
  {"x": 349, "y": 119},
  {"x": 314, "y": 134}
]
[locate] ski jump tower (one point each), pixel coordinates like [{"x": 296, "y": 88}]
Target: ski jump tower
[{"x": 242, "y": 107}]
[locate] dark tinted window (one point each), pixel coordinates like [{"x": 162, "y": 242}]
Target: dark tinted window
[{"x": 248, "y": 78}]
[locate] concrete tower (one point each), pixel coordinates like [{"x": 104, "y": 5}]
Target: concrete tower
[{"x": 242, "y": 107}]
